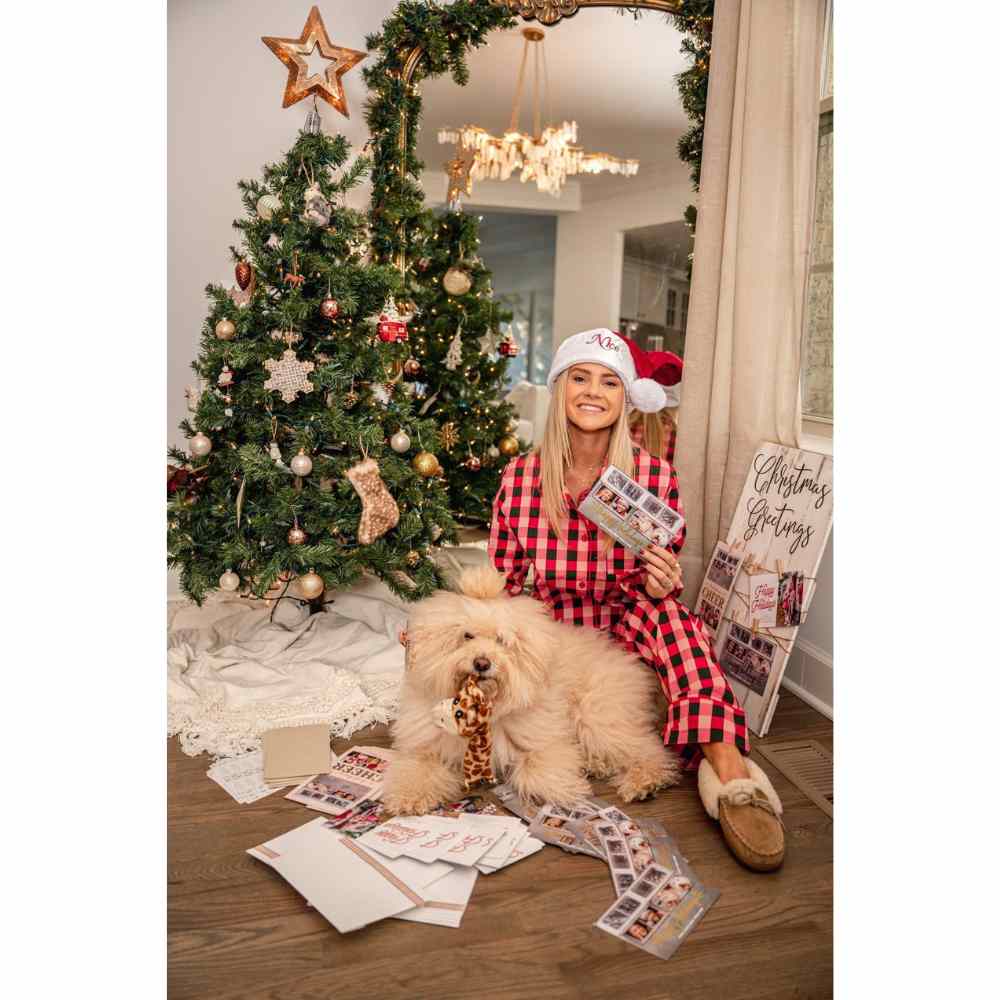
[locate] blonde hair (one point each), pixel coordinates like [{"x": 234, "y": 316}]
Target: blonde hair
[
  {"x": 656, "y": 428},
  {"x": 555, "y": 454}
]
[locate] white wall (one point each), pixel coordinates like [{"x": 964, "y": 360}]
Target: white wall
[
  {"x": 225, "y": 121},
  {"x": 590, "y": 245}
]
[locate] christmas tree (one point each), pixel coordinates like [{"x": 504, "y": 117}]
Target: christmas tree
[
  {"x": 458, "y": 355},
  {"x": 307, "y": 465}
]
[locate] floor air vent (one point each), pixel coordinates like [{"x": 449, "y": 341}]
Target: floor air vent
[{"x": 806, "y": 765}]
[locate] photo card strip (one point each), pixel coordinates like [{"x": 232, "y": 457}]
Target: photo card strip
[
  {"x": 658, "y": 911},
  {"x": 717, "y": 586},
  {"x": 629, "y": 513}
]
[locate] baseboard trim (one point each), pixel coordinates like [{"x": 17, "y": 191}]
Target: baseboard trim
[{"x": 810, "y": 699}]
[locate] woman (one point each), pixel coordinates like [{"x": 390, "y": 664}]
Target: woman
[{"x": 587, "y": 579}]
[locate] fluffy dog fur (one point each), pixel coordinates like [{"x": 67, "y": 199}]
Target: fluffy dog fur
[{"x": 567, "y": 701}]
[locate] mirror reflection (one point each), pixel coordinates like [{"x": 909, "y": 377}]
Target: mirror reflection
[{"x": 575, "y": 240}]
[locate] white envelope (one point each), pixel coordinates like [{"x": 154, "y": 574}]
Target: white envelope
[
  {"x": 445, "y": 900},
  {"x": 529, "y": 845},
  {"x": 514, "y": 831},
  {"x": 345, "y": 883}
]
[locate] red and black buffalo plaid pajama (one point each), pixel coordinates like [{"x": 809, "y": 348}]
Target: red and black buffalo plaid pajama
[{"x": 583, "y": 585}]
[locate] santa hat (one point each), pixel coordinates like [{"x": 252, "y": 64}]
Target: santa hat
[
  {"x": 644, "y": 380},
  {"x": 667, "y": 369}
]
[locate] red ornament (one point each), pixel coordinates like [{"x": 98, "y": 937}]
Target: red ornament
[
  {"x": 509, "y": 348},
  {"x": 411, "y": 367},
  {"x": 329, "y": 308},
  {"x": 473, "y": 464},
  {"x": 244, "y": 274},
  {"x": 391, "y": 330}
]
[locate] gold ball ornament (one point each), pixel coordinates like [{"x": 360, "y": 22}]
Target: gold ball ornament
[
  {"x": 200, "y": 445},
  {"x": 229, "y": 581},
  {"x": 425, "y": 464},
  {"x": 456, "y": 281},
  {"x": 412, "y": 558},
  {"x": 310, "y": 585},
  {"x": 302, "y": 464},
  {"x": 296, "y": 536},
  {"x": 267, "y": 205},
  {"x": 225, "y": 329},
  {"x": 508, "y": 445}
]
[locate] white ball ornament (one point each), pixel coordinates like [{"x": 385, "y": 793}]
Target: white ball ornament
[
  {"x": 302, "y": 464},
  {"x": 456, "y": 281},
  {"x": 229, "y": 580},
  {"x": 267, "y": 205},
  {"x": 200, "y": 445},
  {"x": 400, "y": 442}
]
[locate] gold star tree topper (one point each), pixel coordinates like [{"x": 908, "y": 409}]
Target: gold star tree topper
[{"x": 293, "y": 52}]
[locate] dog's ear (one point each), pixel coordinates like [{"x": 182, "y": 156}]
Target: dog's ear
[
  {"x": 530, "y": 639},
  {"x": 481, "y": 582}
]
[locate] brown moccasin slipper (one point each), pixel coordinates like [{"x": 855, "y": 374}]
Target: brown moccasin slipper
[{"x": 749, "y": 812}]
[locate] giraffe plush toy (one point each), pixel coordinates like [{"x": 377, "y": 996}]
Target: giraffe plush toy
[{"x": 468, "y": 715}]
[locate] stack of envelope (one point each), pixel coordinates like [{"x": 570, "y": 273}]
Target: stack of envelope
[{"x": 420, "y": 868}]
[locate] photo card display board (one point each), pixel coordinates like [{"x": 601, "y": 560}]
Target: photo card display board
[{"x": 780, "y": 529}]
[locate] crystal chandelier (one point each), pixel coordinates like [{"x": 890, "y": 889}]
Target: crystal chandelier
[{"x": 548, "y": 156}]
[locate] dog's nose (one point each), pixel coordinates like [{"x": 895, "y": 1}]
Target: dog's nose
[{"x": 481, "y": 664}]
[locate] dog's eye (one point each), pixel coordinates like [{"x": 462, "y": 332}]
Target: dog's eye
[
  {"x": 459, "y": 714},
  {"x": 455, "y": 702},
  {"x": 469, "y": 635}
]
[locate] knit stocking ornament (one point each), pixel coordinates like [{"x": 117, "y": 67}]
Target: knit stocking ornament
[{"x": 379, "y": 512}]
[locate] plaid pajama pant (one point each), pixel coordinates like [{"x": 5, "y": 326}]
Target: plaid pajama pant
[{"x": 583, "y": 585}]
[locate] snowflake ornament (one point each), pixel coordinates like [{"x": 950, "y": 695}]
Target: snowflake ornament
[{"x": 288, "y": 376}]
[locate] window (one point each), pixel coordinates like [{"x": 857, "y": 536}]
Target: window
[
  {"x": 671, "y": 309},
  {"x": 684, "y": 311},
  {"x": 654, "y": 343}
]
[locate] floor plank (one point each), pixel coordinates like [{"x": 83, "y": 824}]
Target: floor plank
[{"x": 237, "y": 930}]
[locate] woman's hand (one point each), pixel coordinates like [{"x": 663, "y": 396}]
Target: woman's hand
[{"x": 663, "y": 571}]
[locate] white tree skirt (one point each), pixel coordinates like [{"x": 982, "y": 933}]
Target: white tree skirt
[{"x": 232, "y": 673}]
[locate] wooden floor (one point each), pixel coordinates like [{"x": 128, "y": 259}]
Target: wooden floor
[{"x": 236, "y": 929}]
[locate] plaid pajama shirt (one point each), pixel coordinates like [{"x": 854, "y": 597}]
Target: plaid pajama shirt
[{"x": 584, "y": 586}]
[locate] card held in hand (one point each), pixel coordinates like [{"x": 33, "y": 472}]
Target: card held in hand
[{"x": 630, "y": 514}]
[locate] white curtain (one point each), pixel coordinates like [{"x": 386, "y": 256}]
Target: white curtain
[{"x": 743, "y": 345}]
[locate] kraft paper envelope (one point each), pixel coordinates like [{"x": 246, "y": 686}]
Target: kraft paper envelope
[
  {"x": 294, "y": 751},
  {"x": 342, "y": 881}
]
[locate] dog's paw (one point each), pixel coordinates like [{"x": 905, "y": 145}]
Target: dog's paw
[
  {"x": 642, "y": 778},
  {"x": 412, "y": 803}
]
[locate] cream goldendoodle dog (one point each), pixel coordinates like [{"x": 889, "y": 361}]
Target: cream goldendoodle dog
[{"x": 566, "y": 701}]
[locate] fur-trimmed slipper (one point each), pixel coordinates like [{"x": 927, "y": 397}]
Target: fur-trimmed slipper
[{"x": 749, "y": 812}]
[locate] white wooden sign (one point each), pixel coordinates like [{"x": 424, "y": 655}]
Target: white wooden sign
[{"x": 781, "y": 525}]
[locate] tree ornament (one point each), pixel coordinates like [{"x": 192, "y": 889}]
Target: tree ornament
[
  {"x": 456, "y": 281},
  {"x": 411, "y": 367},
  {"x": 379, "y": 512},
  {"x": 413, "y": 558},
  {"x": 229, "y": 581},
  {"x": 225, "y": 377},
  {"x": 302, "y": 464},
  {"x": 274, "y": 241},
  {"x": 200, "y": 445},
  {"x": 310, "y": 585},
  {"x": 193, "y": 395},
  {"x": 390, "y": 324},
  {"x": 225, "y": 329},
  {"x": 289, "y": 375},
  {"x": 294, "y": 278},
  {"x": 350, "y": 400},
  {"x": 508, "y": 346},
  {"x": 454, "y": 356},
  {"x": 244, "y": 274},
  {"x": 288, "y": 336},
  {"x": 407, "y": 309},
  {"x": 425, "y": 464},
  {"x": 509, "y": 446},
  {"x": 296, "y": 536},
  {"x": 329, "y": 308},
  {"x": 400, "y": 442},
  {"x": 493, "y": 451},
  {"x": 313, "y": 124},
  {"x": 267, "y": 205},
  {"x": 317, "y": 209},
  {"x": 423, "y": 263},
  {"x": 293, "y": 52},
  {"x": 473, "y": 464},
  {"x": 449, "y": 435},
  {"x": 381, "y": 395},
  {"x": 240, "y": 299}
]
